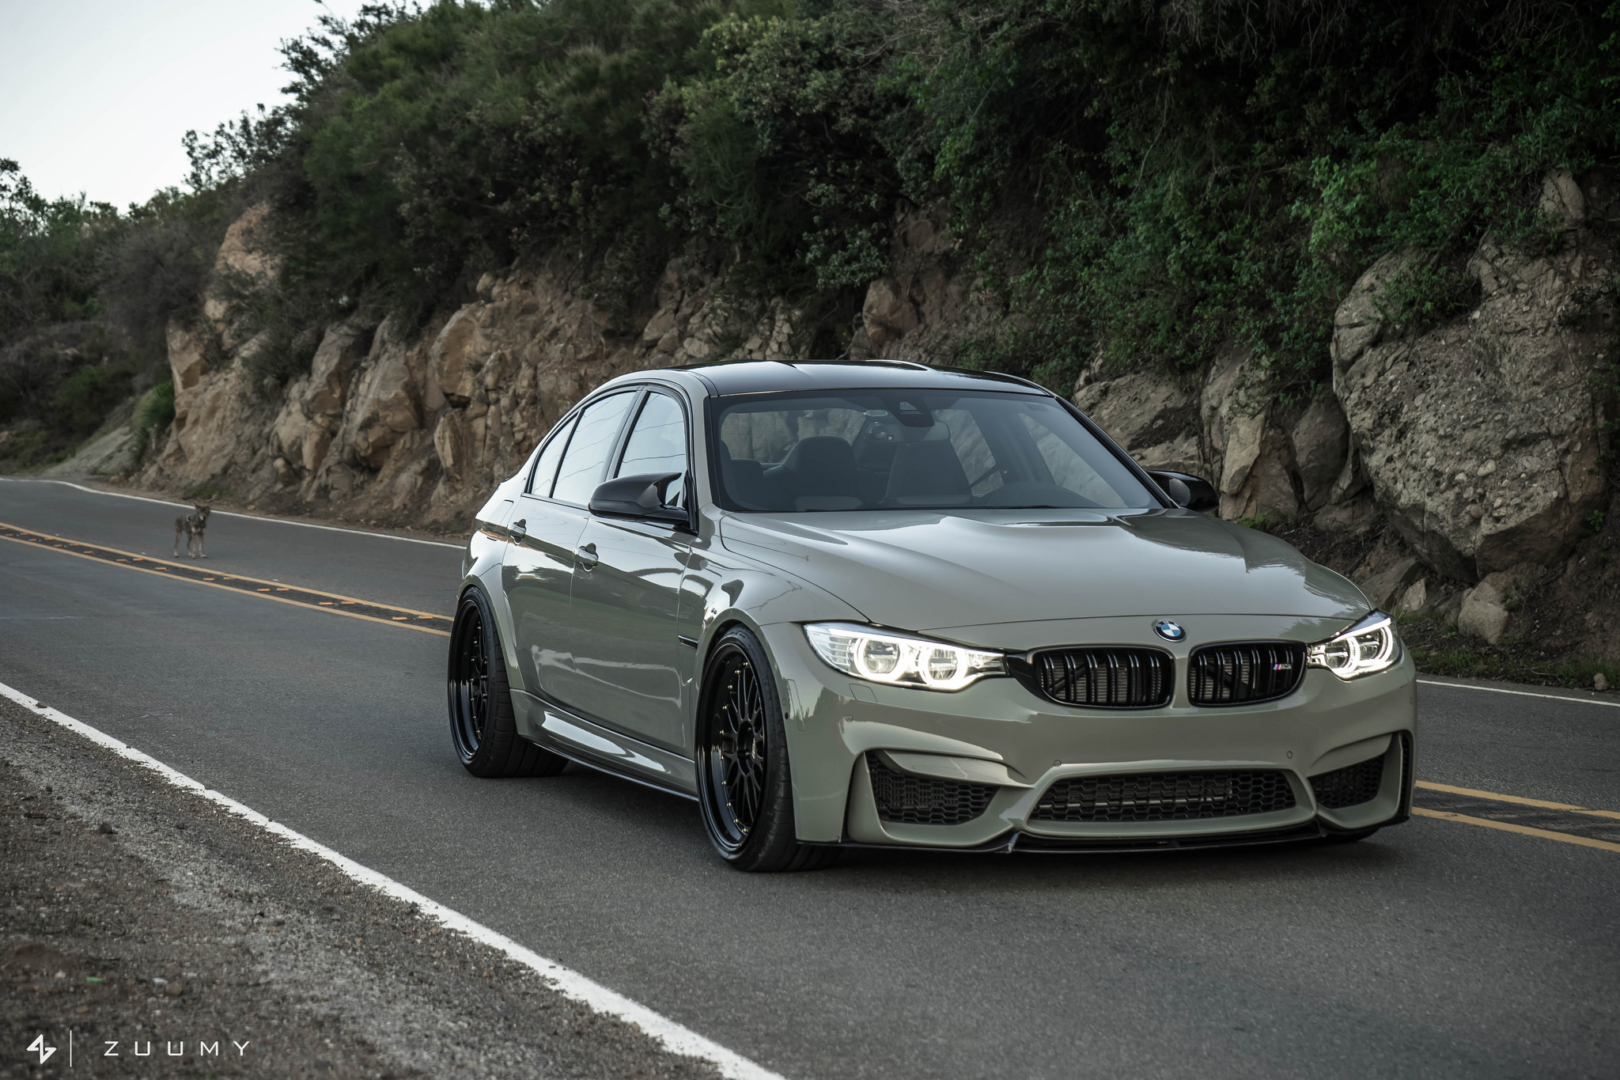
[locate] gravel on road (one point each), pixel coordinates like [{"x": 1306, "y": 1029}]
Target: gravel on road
[{"x": 148, "y": 922}]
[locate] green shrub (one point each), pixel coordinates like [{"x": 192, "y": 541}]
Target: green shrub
[
  {"x": 153, "y": 415},
  {"x": 1209, "y": 173},
  {"x": 1422, "y": 295}
]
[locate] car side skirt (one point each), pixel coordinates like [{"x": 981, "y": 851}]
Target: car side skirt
[{"x": 603, "y": 749}]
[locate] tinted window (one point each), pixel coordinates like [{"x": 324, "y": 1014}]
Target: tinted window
[
  {"x": 545, "y": 470},
  {"x": 863, "y": 450},
  {"x": 584, "y": 464},
  {"x": 657, "y": 444}
]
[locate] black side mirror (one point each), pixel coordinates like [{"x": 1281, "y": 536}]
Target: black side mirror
[
  {"x": 1188, "y": 491},
  {"x": 640, "y": 497}
]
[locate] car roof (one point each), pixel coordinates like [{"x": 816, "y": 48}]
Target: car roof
[{"x": 772, "y": 376}]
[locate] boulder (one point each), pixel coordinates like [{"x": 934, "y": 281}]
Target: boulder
[
  {"x": 451, "y": 442},
  {"x": 187, "y": 360},
  {"x": 342, "y": 347},
  {"x": 1321, "y": 444},
  {"x": 1251, "y": 457},
  {"x": 1386, "y": 588},
  {"x": 458, "y": 354},
  {"x": 1487, "y": 608},
  {"x": 1151, "y": 413},
  {"x": 1414, "y": 599},
  {"x": 888, "y": 314},
  {"x": 385, "y": 401},
  {"x": 244, "y": 263},
  {"x": 1481, "y": 437}
]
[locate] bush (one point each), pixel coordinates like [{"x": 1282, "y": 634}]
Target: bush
[
  {"x": 153, "y": 415},
  {"x": 780, "y": 143},
  {"x": 155, "y": 267},
  {"x": 1207, "y": 173}
]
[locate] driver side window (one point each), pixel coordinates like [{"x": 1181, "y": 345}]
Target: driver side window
[
  {"x": 657, "y": 444},
  {"x": 585, "y": 461}
]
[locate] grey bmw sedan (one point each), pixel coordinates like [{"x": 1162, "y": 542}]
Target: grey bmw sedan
[{"x": 883, "y": 604}]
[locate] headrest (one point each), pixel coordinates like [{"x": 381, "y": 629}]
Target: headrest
[
  {"x": 925, "y": 469},
  {"x": 822, "y": 465}
]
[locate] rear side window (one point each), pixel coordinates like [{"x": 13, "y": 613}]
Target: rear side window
[
  {"x": 545, "y": 470},
  {"x": 657, "y": 444},
  {"x": 584, "y": 463}
]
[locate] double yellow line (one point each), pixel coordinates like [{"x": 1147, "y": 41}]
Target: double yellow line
[
  {"x": 430, "y": 623},
  {"x": 1513, "y": 826},
  {"x": 333, "y": 603}
]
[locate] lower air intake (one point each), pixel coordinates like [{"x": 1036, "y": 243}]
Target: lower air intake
[
  {"x": 925, "y": 800},
  {"x": 1349, "y": 786},
  {"x": 1245, "y": 672},
  {"x": 1170, "y": 796}
]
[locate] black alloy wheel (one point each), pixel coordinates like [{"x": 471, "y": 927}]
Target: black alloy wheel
[
  {"x": 745, "y": 788},
  {"x": 740, "y": 734},
  {"x": 483, "y": 728}
]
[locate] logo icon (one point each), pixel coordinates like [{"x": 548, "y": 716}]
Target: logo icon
[
  {"x": 38, "y": 1047},
  {"x": 1168, "y": 630}
]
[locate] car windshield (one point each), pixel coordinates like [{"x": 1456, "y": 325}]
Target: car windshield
[{"x": 886, "y": 449}]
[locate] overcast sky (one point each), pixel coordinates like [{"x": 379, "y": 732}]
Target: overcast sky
[{"x": 95, "y": 94}]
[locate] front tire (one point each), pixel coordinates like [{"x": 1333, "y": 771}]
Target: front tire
[
  {"x": 745, "y": 785},
  {"x": 483, "y": 728}
]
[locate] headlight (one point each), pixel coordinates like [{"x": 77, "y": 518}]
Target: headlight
[
  {"x": 899, "y": 659},
  {"x": 1368, "y": 646}
]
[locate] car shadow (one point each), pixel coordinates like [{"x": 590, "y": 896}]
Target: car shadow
[{"x": 647, "y": 824}]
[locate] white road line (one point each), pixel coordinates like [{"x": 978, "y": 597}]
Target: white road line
[
  {"x": 229, "y": 513},
  {"x": 674, "y": 1037},
  {"x": 1520, "y": 693}
]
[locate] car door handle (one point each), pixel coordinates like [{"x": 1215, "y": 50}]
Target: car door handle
[
  {"x": 519, "y": 529},
  {"x": 585, "y": 555}
]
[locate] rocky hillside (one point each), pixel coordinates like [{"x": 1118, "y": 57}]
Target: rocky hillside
[{"x": 1454, "y": 472}]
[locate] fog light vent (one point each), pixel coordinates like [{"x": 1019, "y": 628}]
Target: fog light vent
[
  {"x": 1349, "y": 786},
  {"x": 925, "y": 800}
]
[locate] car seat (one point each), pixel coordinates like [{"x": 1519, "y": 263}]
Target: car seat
[
  {"x": 927, "y": 473},
  {"x": 818, "y": 474},
  {"x": 744, "y": 480}
]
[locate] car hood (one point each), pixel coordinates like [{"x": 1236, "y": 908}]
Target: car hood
[{"x": 926, "y": 570}]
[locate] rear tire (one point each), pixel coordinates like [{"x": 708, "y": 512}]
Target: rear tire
[
  {"x": 483, "y": 728},
  {"x": 745, "y": 784}
]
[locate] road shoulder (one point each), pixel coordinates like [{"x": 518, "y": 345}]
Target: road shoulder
[{"x": 112, "y": 880}]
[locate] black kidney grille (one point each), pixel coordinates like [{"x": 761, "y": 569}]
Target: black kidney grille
[
  {"x": 1245, "y": 673},
  {"x": 1106, "y": 678},
  {"x": 1169, "y": 796},
  {"x": 1351, "y": 785},
  {"x": 925, "y": 800}
]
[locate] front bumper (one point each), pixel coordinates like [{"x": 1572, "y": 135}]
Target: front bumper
[{"x": 1001, "y": 734}]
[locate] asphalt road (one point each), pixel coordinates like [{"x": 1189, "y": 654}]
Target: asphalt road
[{"x": 1440, "y": 948}]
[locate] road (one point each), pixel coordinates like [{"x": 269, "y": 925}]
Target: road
[{"x": 1445, "y": 947}]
